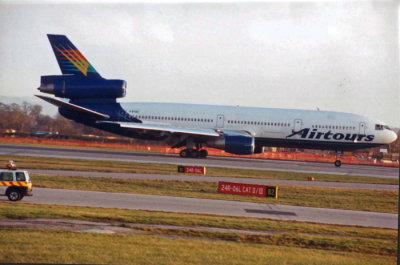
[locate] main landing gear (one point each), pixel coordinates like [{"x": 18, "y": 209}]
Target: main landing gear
[
  {"x": 193, "y": 153},
  {"x": 193, "y": 150}
]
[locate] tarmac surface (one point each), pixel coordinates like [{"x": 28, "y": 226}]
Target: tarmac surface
[
  {"x": 210, "y": 206},
  {"x": 259, "y": 181},
  {"x": 247, "y": 163}
]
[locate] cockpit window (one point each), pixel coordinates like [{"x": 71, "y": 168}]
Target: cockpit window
[{"x": 382, "y": 127}]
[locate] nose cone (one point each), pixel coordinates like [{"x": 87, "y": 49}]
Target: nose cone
[{"x": 391, "y": 136}]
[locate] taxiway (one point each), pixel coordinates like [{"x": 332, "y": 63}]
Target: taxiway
[
  {"x": 210, "y": 206},
  {"x": 229, "y": 162}
]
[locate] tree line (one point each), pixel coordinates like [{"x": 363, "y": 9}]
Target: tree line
[{"x": 28, "y": 117}]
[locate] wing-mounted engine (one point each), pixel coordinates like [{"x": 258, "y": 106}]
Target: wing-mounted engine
[
  {"x": 238, "y": 144},
  {"x": 76, "y": 87}
]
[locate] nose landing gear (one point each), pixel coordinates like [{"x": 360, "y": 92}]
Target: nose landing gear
[{"x": 337, "y": 162}]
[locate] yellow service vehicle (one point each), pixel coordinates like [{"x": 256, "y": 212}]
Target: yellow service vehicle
[{"x": 14, "y": 183}]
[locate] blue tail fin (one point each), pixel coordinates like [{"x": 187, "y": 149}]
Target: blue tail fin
[{"x": 70, "y": 59}]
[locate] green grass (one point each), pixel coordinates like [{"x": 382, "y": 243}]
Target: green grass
[
  {"x": 22, "y": 245},
  {"x": 295, "y": 242},
  {"x": 23, "y": 210},
  {"x": 149, "y": 168},
  {"x": 346, "y": 244},
  {"x": 342, "y": 241},
  {"x": 27, "y": 210},
  {"x": 342, "y": 198}
]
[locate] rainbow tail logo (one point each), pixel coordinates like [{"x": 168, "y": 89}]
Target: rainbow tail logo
[{"x": 69, "y": 58}]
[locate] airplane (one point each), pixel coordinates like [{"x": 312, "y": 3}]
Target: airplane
[{"x": 90, "y": 99}]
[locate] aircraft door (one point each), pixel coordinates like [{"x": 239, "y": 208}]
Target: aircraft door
[
  {"x": 220, "y": 121},
  {"x": 297, "y": 125},
  {"x": 362, "y": 127}
]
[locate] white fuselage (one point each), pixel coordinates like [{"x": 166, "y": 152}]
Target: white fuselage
[{"x": 267, "y": 123}]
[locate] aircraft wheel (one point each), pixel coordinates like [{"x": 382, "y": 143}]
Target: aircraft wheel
[
  {"x": 184, "y": 153},
  {"x": 338, "y": 163},
  {"x": 203, "y": 153}
]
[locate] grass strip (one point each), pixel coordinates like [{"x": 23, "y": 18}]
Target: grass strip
[
  {"x": 347, "y": 244},
  {"x": 338, "y": 198},
  {"x": 25, "y": 245},
  {"x": 150, "y": 168},
  {"x": 23, "y": 210}
]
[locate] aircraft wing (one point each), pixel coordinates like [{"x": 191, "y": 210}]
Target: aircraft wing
[
  {"x": 60, "y": 103},
  {"x": 165, "y": 128}
]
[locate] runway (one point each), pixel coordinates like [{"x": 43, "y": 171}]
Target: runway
[
  {"x": 210, "y": 206},
  {"x": 330, "y": 184},
  {"x": 244, "y": 163}
]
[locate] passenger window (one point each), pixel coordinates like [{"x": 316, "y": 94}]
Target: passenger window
[
  {"x": 6, "y": 176},
  {"x": 20, "y": 176}
]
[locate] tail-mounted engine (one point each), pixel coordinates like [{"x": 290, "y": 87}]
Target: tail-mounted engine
[{"x": 76, "y": 87}]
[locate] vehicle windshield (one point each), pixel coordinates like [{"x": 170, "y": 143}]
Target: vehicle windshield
[{"x": 20, "y": 176}]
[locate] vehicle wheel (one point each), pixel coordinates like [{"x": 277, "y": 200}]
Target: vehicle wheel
[
  {"x": 184, "y": 153},
  {"x": 203, "y": 153},
  {"x": 14, "y": 195},
  {"x": 338, "y": 163}
]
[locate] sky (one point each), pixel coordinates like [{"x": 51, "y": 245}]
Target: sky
[{"x": 331, "y": 55}]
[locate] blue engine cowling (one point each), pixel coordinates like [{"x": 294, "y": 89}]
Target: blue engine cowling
[
  {"x": 76, "y": 87},
  {"x": 235, "y": 144}
]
